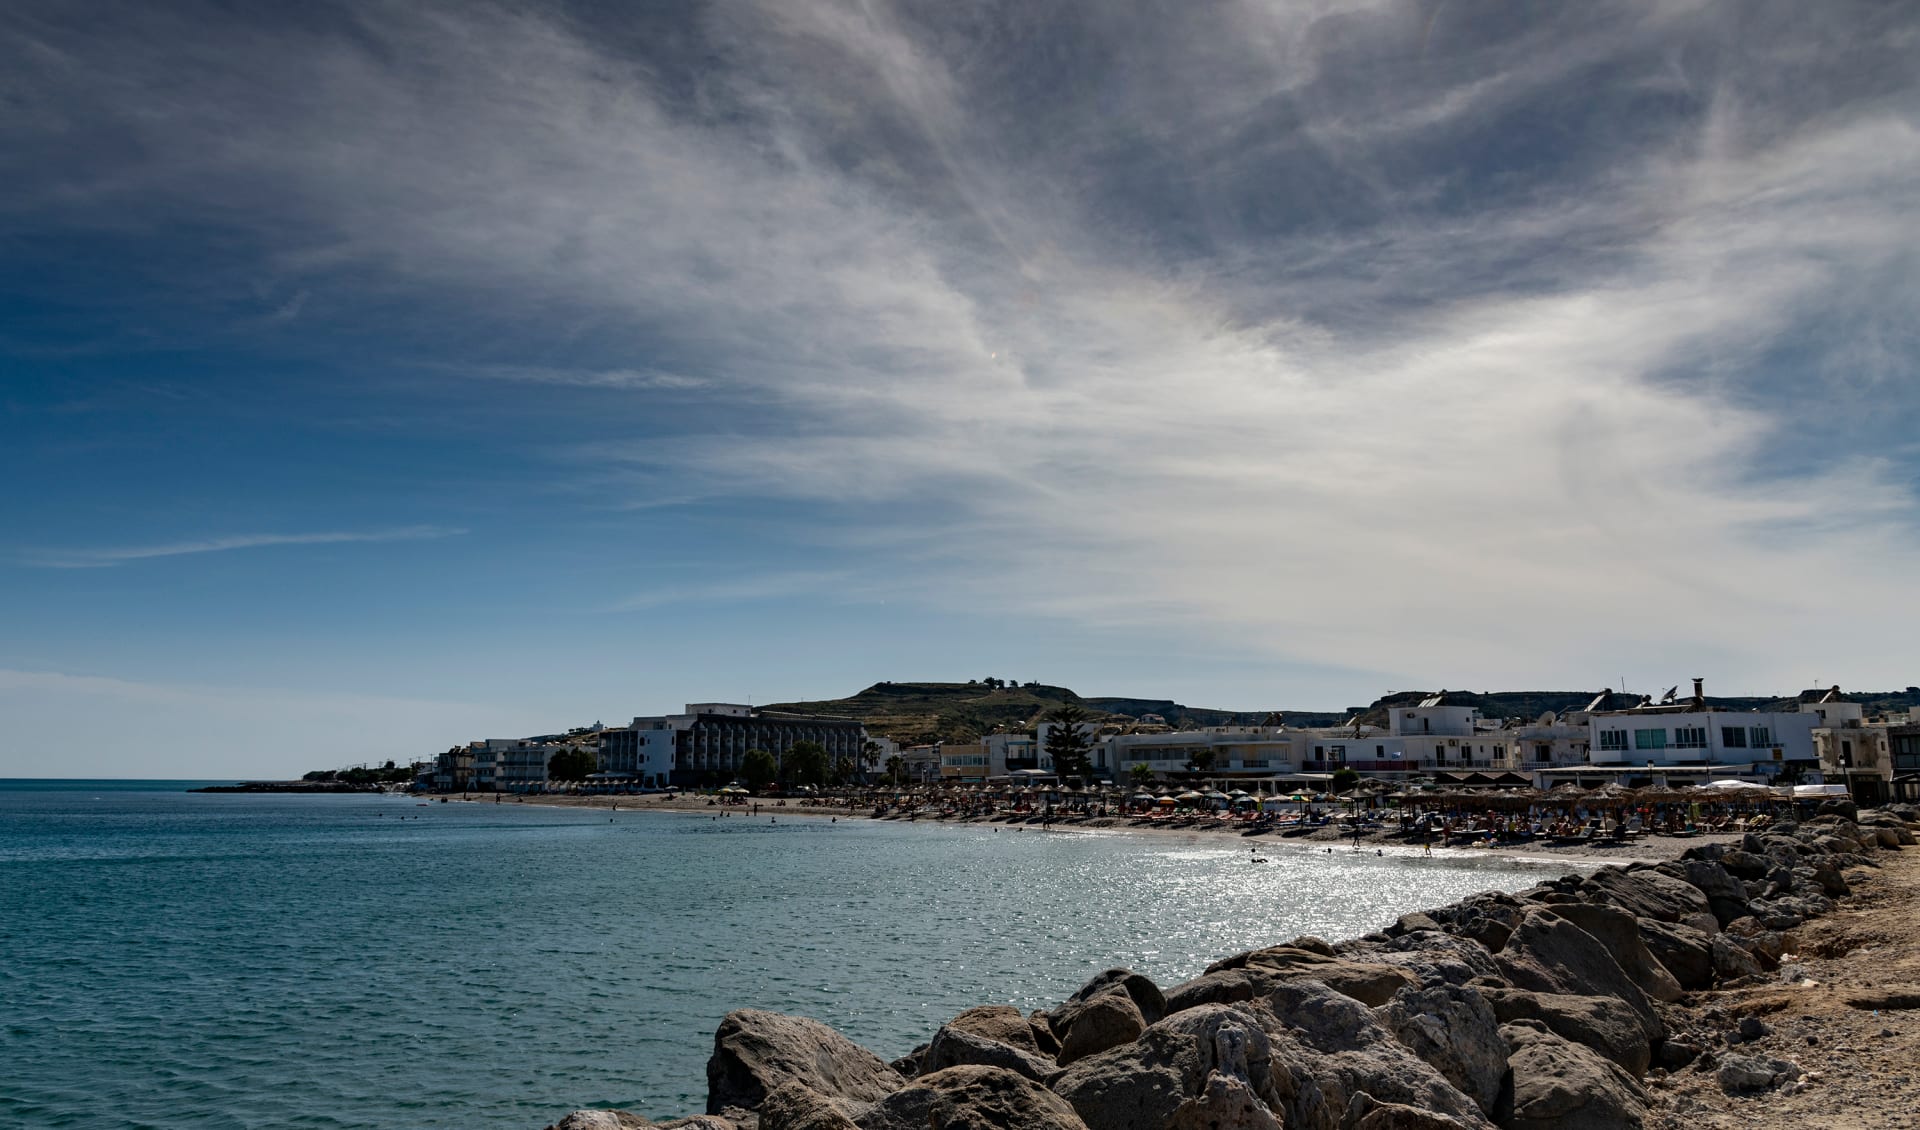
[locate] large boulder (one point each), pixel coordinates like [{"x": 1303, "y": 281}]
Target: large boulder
[
  {"x": 602, "y": 1120},
  {"x": 754, "y": 1052},
  {"x": 1104, "y": 1021},
  {"x": 1619, "y": 932},
  {"x": 1438, "y": 958},
  {"x": 1731, "y": 961},
  {"x": 1172, "y": 1067},
  {"x": 972, "y": 1098},
  {"x": 1683, "y": 951},
  {"x": 1549, "y": 954},
  {"x": 953, "y": 1047},
  {"x": 1603, "y": 1024},
  {"x": 1645, "y": 893},
  {"x": 1726, "y": 895},
  {"x": 1001, "y": 1022},
  {"x": 1367, "y": 982},
  {"x": 1329, "y": 1048},
  {"x": 1140, "y": 989},
  {"x": 795, "y": 1106},
  {"x": 1225, "y": 986},
  {"x": 1455, "y": 1031},
  {"x": 1560, "y": 1085}
]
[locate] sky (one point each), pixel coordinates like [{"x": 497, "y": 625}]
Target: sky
[{"x": 379, "y": 376}]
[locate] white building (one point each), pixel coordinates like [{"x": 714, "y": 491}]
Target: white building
[
  {"x": 1685, "y": 742},
  {"x": 1852, "y": 751}
]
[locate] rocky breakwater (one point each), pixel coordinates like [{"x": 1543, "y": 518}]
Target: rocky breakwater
[{"x": 1565, "y": 1006}]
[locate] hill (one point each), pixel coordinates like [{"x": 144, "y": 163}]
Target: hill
[{"x": 916, "y": 713}]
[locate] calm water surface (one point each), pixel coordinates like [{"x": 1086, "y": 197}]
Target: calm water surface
[{"x": 188, "y": 960}]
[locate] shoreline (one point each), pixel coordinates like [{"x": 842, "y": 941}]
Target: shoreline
[
  {"x": 1652, "y": 849},
  {"x": 1764, "y": 983}
]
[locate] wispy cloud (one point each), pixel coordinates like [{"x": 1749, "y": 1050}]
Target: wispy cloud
[
  {"x": 766, "y": 586},
  {"x": 103, "y": 558}
]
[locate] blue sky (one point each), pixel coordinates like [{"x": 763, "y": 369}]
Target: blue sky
[{"x": 379, "y": 376}]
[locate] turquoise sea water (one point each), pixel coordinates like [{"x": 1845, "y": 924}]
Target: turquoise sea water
[{"x": 190, "y": 960}]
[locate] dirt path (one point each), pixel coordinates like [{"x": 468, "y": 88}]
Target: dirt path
[{"x": 1863, "y": 1066}]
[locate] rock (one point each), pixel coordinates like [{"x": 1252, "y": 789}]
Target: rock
[
  {"x": 1731, "y": 961},
  {"x": 1619, "y": 932},
  {"x": 1146, "y": 1084},
  {"x": 1098, "y": 1023},
  {"x": 1766, "y": 946},
  {"x": 1228, "y": 986},
  {"x": 1549, "y": 954},
  {"x": 602, "y": 1120},
  {"x": 795, "y": 1106},
  {"x": 1042, "y": 1030},
  {"x": 1145, "y": 994},
  {"x": 1396, "y": 1116},
  {"x": 1753, "y": 1028},
  {"x": 1225, "y": 1103},
  {"x": 1370, "y": 983},
  {"x": 1745, "y": 864},
  {"x": 1754, "y": 1073},
  {"x": 972, "y": 1098},
  {"x": 911, "y": 1064},
  {"x": 1312, "y": 943},
  {"x": 953, "y": 1047},
  {"x": 1831, "y": 882},
  {"x": 1602, "y": 1024},
  {"x": 1329, "y": 1048},
  {"x": 1645, "y": 894},
  {"x": 1000, "y": 1022},
  {"x": 1672, "y": 1055},
  {"x": 1435, "y": 958},
  {"x": 1455, "y": 1031},
  {"x": 1560, "y": 1085},
  {"x": 1685, "y": 953},
  {"x": 1726, "y": 896},
  {"x": 754, "y": 1052}
]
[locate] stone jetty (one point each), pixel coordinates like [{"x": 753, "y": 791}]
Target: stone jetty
[{"x": 1553, "y": 1007}]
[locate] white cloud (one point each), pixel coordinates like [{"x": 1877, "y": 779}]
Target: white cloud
[
  {"x": 985, "y": 366},
  {"x": 104, "y": 558}
]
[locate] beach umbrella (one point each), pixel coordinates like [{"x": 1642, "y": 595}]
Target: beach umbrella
[
  {"x": 1165, "y": 802},
  {"x": 1142, "y": 797}
]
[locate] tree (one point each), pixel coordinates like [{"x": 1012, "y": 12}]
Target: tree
[
  {"x": 1142, "y": 774},
  {"x": 1068, "y": 743},
  {"x": 1201, "y": 761},
  {"x": 895, "y": 766},
  {"x": 869, "y": 758},
  {"x": 571, "y": 764},
  {"x": 1345, "y": 780},
  {"x": 806, "y": 763},
  {"x": 757, "y": 769}
]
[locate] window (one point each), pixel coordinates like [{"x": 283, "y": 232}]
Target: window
[
  {"x": 1613, "y": 740},
  {"x": 1733, "y": 737},
  {"x": 1690, "y": 737},
  {"x": 1846, "y": 754},
  {"x": 1760, "y": 736},
  {"x": 1337, "y": 752},
  {"x": 1649, "y": 739}
]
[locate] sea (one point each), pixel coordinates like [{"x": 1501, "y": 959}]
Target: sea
[{"x": 179, "y": 959}]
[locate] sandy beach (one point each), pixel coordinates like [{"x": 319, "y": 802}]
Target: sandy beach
[{"x": 1652, "y": 848}]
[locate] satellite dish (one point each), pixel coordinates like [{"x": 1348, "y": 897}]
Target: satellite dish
[{"x": 1548, "y": 719}]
